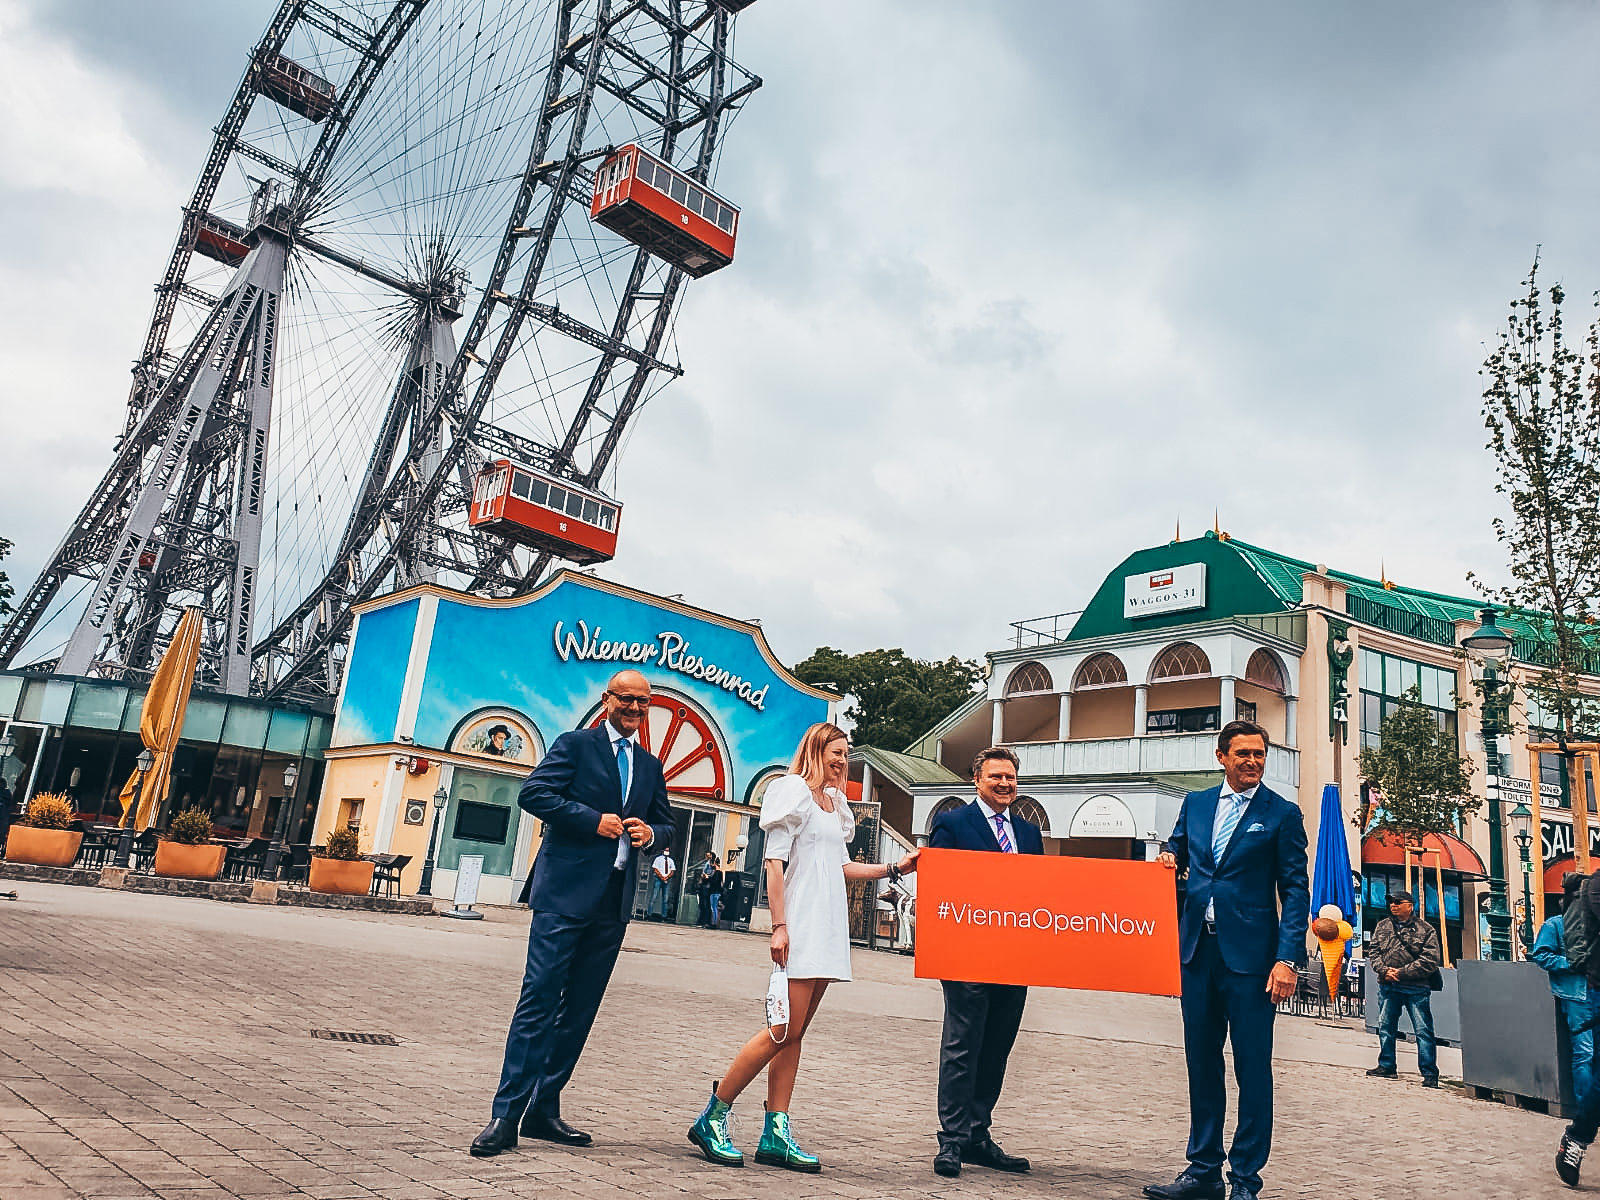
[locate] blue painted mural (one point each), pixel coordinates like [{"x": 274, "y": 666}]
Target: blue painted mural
[
  {"x": 375, "y": 675},
  {"x": 547, "y": 657}
]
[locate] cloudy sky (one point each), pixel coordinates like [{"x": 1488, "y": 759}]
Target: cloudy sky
[{"x": 1019, "y": 285}]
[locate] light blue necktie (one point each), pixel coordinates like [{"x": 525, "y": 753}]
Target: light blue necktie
[
  {"x": 1225, "y": 827},
  {"x": 622, "y": 772}
]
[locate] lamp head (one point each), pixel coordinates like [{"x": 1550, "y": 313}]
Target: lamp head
[
  {"x": 146, "y": 760},
  {"x": 1521, "y": 818},
  {"x": 1488, "y": 640},
  {"x": 291, "y": 776},
  {"x": 742, "y": 842},
  {"x": 441, "y": 797}
]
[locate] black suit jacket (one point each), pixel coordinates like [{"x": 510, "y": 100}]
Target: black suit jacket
[
  {"x": 573, "y": 785},
  {"x": 964, "y": 828}
]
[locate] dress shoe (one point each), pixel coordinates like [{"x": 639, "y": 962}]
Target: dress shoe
[
  {"x": 553, "y": 1129},
  {"x": 1383, "y": 1073},
  {"x": 1185, "y": 1187},
  {"x": 948, "y": 1161},
  {"x": 1239, "y": 1192},
  {"x": 1430, "y": 1081},
  {"x": 987, "y": 1154},
  {"x": 499, "y": 1134}
]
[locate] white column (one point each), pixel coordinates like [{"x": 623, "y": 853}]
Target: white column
[
  {"x": 1064, "y": 723},
  {"x": 866, "y": 782},
  {"x": 1141, "y": 704},
  {"x": 1290, "y": 735},
  {"x": 1230, "y": 705},
  {"x": 998, "y": 725}
]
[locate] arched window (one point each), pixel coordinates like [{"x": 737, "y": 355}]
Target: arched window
[
  {"x": 1103, "y": 670},
  {"x": 1030, "y": 679},
  {"x": 1032, "y": 811},
  {"x": 1182, "y": 660},
  {"x": 948, "y": 804},
  {"x": 1265, "y": 671}
]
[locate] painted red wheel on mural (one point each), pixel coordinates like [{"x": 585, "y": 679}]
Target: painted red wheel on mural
[{"x": 682, "y": 739}]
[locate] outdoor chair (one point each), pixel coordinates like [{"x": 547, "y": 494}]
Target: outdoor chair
[
  {"x": 386, "y": 874},
  {"x": 244, "y": 861},
  {"x": 143, "y": 858},
  {"x": 297, "y": 867}
]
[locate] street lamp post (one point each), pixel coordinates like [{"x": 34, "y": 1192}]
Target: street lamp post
[
  {"x": 440, "y": 799},
  {"x": 1493, "y": 645},
  {"x": 274, "y": 855},
  {"x": 1522, "y": 819},
  {"x": 145, "y": 761}
]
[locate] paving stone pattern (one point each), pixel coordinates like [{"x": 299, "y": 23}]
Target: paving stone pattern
[{"x": 161, "y": 1046}]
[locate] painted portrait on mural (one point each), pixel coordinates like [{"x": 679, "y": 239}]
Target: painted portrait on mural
[{"x": 495, "y": 734}]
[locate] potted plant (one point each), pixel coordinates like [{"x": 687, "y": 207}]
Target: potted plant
[
  {"x": 339, "y": 869},
  {"x": 186, "y": 851},
  {"x": 44, "y": 836}
]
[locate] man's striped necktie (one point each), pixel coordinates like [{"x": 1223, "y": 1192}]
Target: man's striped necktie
[
  {"x": 1000, "y": 833},
  {"x": 1225, "y": 827}
]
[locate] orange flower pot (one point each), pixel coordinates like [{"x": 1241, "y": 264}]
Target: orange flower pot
[
  {"x": 341, "y": 877},
  {"x": 178, "y": 861},
  {"x": 43, "y": 847}
]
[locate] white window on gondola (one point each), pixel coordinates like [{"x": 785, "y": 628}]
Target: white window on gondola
[
  {"x": 591, "y": 512},
  {"x": 489, "y": 488},
  {"x": 574, "y": 505},
  {"x": 608, "y": 518}
]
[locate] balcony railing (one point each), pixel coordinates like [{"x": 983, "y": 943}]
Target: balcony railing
[
  {"x": 1044, "y": 631},
  {"x": 1178, "y": 752},
  {"x": 1402, "y": 621}
]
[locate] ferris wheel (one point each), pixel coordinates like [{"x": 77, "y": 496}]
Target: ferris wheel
[{"x": 436, "y": 244}]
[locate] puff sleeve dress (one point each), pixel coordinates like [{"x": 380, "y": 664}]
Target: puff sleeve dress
[{"x": 814, "y": 845}]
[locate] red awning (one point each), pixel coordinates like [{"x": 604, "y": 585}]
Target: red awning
[
  {"x": 1554, "y": 872},
  {"x": 1453, "y": 854}
]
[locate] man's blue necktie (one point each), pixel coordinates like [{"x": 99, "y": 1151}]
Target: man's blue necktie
[
  {"x": 622, "y": 771},
  {"x": 1226, "y": 826}
]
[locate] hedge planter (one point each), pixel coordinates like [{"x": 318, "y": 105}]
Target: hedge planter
[
  {"x": 175, "y": 860},
  {"x": 43, "y": 847},
  {"x": 341, "y": 877}
]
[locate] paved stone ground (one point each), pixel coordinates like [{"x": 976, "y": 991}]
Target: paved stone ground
[{"x": 159, "y": 1046}]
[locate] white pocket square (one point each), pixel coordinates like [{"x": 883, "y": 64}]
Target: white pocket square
[{"x": 1258, "y": 827}]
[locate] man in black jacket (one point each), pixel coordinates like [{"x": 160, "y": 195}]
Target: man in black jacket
[{"x": 1578, "y": 1135}]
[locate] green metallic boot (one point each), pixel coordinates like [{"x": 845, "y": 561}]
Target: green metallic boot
[
  {"x": 778, "y": 1148},
  {"x": 710, "y": 1133}
]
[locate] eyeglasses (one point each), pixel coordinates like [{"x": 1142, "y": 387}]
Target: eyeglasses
[{"x": 629, "y": 701}]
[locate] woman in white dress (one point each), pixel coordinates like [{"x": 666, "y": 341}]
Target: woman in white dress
[{"x": 809, "y": 826}]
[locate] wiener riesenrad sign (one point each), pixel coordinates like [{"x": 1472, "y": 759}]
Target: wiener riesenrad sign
[{"x": 1172, "y": 589}]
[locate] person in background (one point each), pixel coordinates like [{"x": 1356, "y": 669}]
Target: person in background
[
  {"x": 1567, "y": 984},
  {"x": 661, "y": 872},
  {"x": 728, "y": 906},
  {"x": 6, "y": 806},
  {"x": 708, "y": 886},
  {"x": 1405, "y": 956}
]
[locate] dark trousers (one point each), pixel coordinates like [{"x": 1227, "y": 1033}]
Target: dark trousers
[
  {"x": 569, "y": 964},
  {"x": 1219, "y": 1004},
  {"x": 980, "y": 1025}
]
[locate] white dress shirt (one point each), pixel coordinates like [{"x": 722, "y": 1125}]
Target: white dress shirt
[
  {"x": 1225, "y": 801},
  {"x": 989, "y": 814}
]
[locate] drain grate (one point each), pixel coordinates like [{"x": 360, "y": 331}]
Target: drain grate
[{"x": 366, "y": 1039}]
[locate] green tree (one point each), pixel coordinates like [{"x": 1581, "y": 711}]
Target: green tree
[
  {"x": 897, "y": 698},
  {"x": 1541, "y": 407},
  {"x": 1426, "y": 784}
]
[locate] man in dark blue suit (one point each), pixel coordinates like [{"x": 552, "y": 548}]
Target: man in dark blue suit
[
  {"x": 980, "y": 1019},
  {"x": 1241, "y": 932},
  {"x": 603, "y": 800}
]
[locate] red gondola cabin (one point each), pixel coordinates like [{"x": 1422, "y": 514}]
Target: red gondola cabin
[
  {"x": 664, "y": 211},
  {"x": 547, "y": 513}
]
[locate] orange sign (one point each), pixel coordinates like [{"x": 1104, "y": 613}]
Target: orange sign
[{"x": 1101, "y": 924}]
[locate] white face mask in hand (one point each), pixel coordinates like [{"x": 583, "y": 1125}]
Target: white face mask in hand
[{"x": 778, "y": 1004}]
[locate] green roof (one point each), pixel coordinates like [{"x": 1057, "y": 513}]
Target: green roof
[{"x": 908, "y": 770}]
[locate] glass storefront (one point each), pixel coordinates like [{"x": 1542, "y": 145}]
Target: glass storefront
[{"x": 81, "y": 737}]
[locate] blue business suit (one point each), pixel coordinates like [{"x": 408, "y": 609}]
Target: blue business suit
[
  {"x": 1261, "y": 901},
  {"x": 581, "y": 905},
  {"x": 980, "y": 1019}
]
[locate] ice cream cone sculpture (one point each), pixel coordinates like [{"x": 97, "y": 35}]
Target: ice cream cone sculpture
[{"x": 1332, "y": 932}]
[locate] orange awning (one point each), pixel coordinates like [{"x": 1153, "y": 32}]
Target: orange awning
[
  {"x": 1385, "y": 850},
  {"x": 1554, "y": 872}
]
